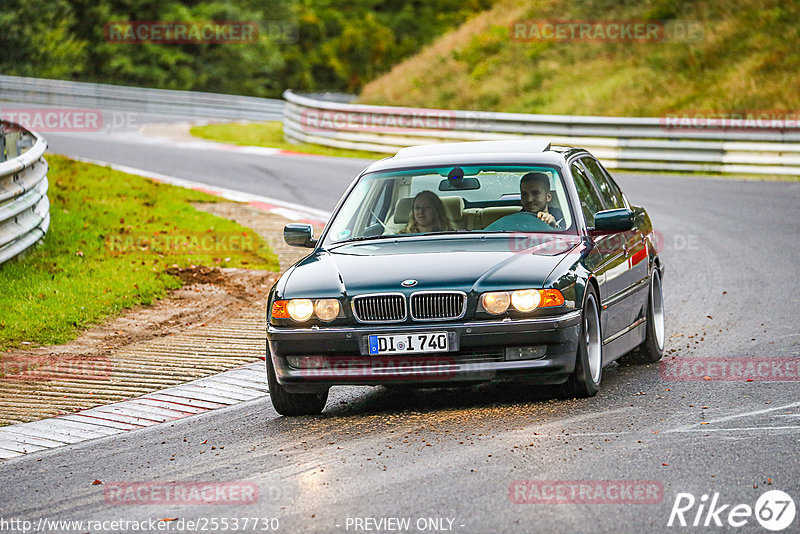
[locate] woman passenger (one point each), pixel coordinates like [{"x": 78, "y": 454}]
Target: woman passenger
[{"x": 427, "y": 215}]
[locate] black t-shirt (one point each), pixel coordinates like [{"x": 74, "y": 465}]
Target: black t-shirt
[{"x": 559, "y": 216}]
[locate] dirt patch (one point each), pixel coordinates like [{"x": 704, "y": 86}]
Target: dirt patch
[
  {"x": 197, "y": 275},
  {"x": 208, "y": 295}
]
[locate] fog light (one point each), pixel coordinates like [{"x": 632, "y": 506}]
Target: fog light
[
  {"x": 306, "y": 362},
  {"x": 525, "y": 353}
]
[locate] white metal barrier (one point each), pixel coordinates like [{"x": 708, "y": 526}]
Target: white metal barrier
[
  {"x": 190, "y": 104},
  {"x": 666, "y": 144},
  {"x": 24, "y": 206}
]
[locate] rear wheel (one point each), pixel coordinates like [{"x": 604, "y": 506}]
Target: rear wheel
[
  {"x": 286, "y": 403},
  {"x": 652, "y": 349},
  {"x": 585, "y": 379}
]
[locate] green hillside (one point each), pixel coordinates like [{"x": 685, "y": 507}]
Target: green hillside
[
  {"x": 306, "y": 45},
  {"x": 746, "y": 57}
]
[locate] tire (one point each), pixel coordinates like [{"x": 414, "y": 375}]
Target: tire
[
  {"x": 585, "y": 379},
  {"x": 292, "y": 404},
  {"x": 652, "y": 349}
]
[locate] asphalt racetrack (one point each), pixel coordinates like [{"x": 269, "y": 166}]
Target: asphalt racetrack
[{"x": 489, "y": 458}]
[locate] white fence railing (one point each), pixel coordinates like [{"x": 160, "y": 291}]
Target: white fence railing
[
  {"x": 667, "y": 144},
  {"x": 24, "y": 206},
  {"x": 188, "y": 104}
]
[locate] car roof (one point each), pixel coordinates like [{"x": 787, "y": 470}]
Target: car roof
[
  {"x": 473, "y": 147},
  {"x": 512, "y": 151}
]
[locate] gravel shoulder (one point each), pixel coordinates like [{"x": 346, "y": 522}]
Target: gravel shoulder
[{"x": 215, "y": 322}]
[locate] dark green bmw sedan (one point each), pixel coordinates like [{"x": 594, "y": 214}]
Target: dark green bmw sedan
[{"x": 468, "y": 262}]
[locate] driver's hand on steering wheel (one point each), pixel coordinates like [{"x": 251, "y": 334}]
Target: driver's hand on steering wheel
[{"x": 546, "y": 217}]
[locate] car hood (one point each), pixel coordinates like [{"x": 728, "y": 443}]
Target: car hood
[{"x": 461, "y": 263}]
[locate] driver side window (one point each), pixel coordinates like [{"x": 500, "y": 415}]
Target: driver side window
[
  {"x": 611, "y": 194},
  {"x": 590, "y": 201}
]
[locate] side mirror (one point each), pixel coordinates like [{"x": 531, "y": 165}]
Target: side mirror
[
  {"x": 618, "y": 220},
  {"x": 299, "y": 235}
]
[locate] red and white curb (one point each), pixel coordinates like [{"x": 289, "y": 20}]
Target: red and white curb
[
  {"x": 218, "y": 391},
  {"x": 290, "y": 210}
]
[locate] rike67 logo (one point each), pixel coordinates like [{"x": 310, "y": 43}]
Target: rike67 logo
[{"x": 774, "y": 510}]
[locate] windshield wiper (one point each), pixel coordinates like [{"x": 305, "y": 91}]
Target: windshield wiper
[
  {"x": 364, "y": 238},
  {"x": 399, "y": 236}
]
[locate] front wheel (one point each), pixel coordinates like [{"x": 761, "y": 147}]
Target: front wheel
[
  {"x": 585, "y": 379},
  {"x": 286, "y": 403}
]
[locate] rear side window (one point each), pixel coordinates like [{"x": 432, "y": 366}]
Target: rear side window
[
  {"x": 609, "y": 192},
  {"x": 590, "y": 201}
]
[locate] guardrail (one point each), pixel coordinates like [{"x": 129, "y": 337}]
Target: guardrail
[
  {"x": 190, "y": 104},
  {"x": 24, "y": 206},
  {"x": 646, "y": 143}
]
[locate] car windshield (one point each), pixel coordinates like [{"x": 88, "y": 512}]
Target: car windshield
[{"x": 469, "y": 199}]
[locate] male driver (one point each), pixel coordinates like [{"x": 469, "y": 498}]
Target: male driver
[
  {"x": 535, "y": 215},
  {"x": 534, "y": 189}
]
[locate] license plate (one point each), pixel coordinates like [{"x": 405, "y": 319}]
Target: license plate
[{"x": 409, "y": 343}]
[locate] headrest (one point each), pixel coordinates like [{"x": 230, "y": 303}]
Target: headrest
[
  {"x": 494, "y": 213},
  {"x": 403, "y": 210},
  {"x": 453, "y": 206}
]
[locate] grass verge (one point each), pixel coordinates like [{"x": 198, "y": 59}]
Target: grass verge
[
  {"x": 112, "y": 238},
  {"x": 270, "y": 134}
]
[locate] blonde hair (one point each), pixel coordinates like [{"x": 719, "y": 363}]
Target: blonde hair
[{"x": 441, "y": 222}]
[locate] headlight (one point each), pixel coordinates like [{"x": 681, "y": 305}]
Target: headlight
[
  {"x": 496, "y": 302},
  {"x": 327, "y": 309},
  {"x": 525, "y": 300},
  {"x": 521, "y": 300},
  {"x": 300, "y": 309}
]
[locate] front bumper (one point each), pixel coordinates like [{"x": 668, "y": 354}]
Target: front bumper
[{"x": 337, "y": 354}]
